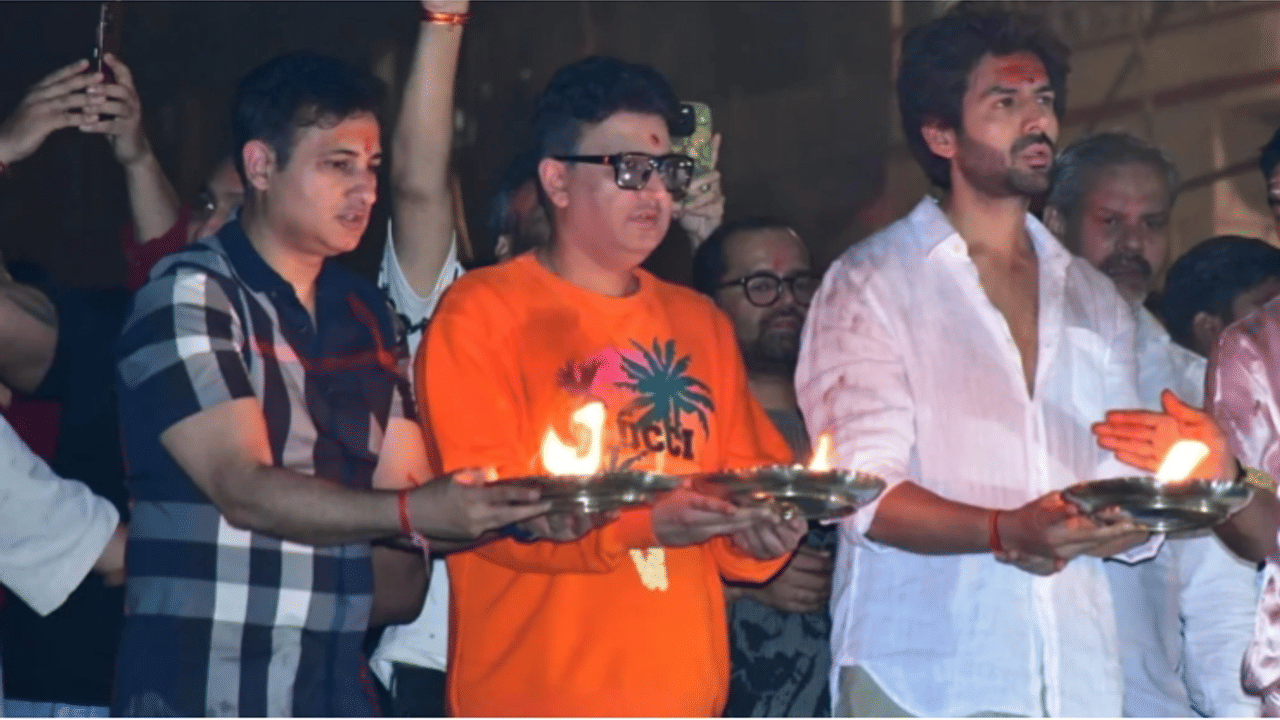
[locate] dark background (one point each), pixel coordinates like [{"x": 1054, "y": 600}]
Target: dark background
[{"x": 800, "y": 90}]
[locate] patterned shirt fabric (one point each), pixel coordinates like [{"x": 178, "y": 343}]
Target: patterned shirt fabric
[
  {"x": 1242, "y": 391},
  {"x": 917, "y": 375},
  {"x": 780, "y": 660},
  {"x": 221, "y": 620}
]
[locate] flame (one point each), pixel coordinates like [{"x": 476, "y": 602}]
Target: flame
[
  {"x": 1181, "y": 460},
  {"x": 822, "y": 454},
  {"x": 561, "y": 459}
]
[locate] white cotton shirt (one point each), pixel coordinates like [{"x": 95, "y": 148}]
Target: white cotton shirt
[
  {"x": 914, "y": 370},
  {"x": 425, "y": 641},
  {"x": 1185, "y": 617},
  {"x": 51, "y": 530}
]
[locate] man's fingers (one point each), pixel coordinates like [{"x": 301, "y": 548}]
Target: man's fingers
[
  {"x": 507, "y": 494},
  {"x": 715, "y": 149},
  {"x": 65, "y": 86},
  {"x": 124, "y": 76},
  {"x": 61, "y": 73},
  {"x": 507, "y": 514}
]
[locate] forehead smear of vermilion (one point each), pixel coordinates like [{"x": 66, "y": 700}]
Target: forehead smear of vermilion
[{"x": 1020, "y": 69}]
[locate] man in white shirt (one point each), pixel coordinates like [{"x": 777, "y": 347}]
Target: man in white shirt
[
  {"x": 961, "y": 354},
  {"x": 1184, "y": 617}
]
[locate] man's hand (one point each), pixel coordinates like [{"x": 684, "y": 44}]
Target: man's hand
[
  {"x": 803, "y": 586},
  {"x": 1142, "y": 438},
  {"x": 56, "y": 102},
  {"x": 1049, "y": 529},
  {"x": 702, "y": 209},
  {"x": 683, "y": 517},
  {"x": 566, "y": 527},
  {"x": 771, "y": 536},
  {"x": 119, "y": 99},
  {"x": 464, "y": 504}
]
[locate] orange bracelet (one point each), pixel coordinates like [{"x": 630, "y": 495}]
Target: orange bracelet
[
  {"x": 444, "y": 18},
  {"x": 993, "y": 538}
]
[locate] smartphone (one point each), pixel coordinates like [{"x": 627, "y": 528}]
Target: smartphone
[
  {"x": 693, "y": 130},
  {"x": 108, "y": 40}
]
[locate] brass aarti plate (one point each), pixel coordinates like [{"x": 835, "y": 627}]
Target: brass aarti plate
[
  {"x": 601, "y": 492},
  {"x": 793, "y": 490},
  {"x": 1163, "y": 507}
]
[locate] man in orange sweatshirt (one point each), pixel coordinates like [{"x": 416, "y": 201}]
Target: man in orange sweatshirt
[{"x": 627, "y": 617}]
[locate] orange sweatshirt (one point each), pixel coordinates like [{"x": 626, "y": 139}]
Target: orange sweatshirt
[{"x": 610, "y": 624}]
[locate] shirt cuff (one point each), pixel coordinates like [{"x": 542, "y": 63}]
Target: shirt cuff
[
  {"x": 1145, "y": 551},
  {"x": 856, "y": 526}
]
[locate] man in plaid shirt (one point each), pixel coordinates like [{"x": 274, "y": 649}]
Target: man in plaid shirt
[{"x": 268, "y": 428}]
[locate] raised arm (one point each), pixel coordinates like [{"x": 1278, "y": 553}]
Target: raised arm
[
  {"x": 152, "y": 200},
  {"x": 56, "y": 102},
  {"x": 422, "y": 209}
]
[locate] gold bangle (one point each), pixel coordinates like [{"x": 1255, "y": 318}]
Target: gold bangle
[
  {"x": 445, "y": 18},
  {"x": 1257, "y": 479}
]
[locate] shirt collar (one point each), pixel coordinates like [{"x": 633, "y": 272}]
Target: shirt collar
[
  {"x": 933, "y": 231},
  {"x": 254, "y": 270}
]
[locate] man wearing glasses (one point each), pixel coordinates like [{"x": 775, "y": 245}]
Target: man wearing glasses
[
  {"x": 757, "y": 271},
  {"x": 626, "y": 614}
]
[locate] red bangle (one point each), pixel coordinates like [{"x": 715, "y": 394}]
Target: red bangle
[
  {"x": 406, "y": 526},
  {"x": 445, "y": 18},
  {"x": 993, "y": 538}
]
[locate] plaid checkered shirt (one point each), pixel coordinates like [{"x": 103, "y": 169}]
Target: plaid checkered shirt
[{"x": 225, "y": 621}]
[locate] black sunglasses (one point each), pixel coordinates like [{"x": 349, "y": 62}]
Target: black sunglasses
[
  {"x": 632, "y": 170},
  {"x": 764, "y": 288}
]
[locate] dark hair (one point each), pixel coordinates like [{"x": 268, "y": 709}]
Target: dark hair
[
  {"x": 1209, "y": 277},
  {"x": 1270, "y": 156},
  {"x": 1075, "y": 169},
  {"x": 296, "y": 91},
  {"x": 588, "y": 92},
  {"x": 523, "y": 169},
  {"x": 937, "y": 58},
  {"x": 709, "y": 262}
]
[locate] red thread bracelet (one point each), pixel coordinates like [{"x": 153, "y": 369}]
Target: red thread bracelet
[
  {"x": 406, "y": 526},
  {"x": 993, "y": 537},
  {"x": 444, "y": 18}
]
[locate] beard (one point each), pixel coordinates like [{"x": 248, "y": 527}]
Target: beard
[
  {"x": 995, "y": 176},
  {"x": 775, "y": 350},
  {"x": 1130, "y": 272}
]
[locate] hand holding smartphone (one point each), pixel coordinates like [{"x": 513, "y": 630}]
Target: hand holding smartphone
[{"x": 695, "y": 120}]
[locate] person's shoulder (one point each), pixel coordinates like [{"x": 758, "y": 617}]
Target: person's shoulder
[
  {"x": 1259, "y": 329},
  {"x": 501, "y": 287},
  {"x": 675, "y": 294}
]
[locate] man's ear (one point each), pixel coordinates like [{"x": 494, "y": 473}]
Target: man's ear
[
  {"x": 554, "y": 176},
  {"x": 1055, "y": 222},
  {"x": 940, "y": 139},
  {"x": 502, "y": 248},
  {"x": 259, "y": 163},
  {"x": 1206, "y": 329}
]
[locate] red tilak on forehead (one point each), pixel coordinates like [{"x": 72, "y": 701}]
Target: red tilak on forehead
[
  {"x": 1020, "y": 69},
  {"x": 654, "y": 140},
  {"x": 778, "y": 260}
]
